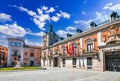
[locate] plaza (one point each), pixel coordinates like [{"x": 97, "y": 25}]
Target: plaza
[{"x": 59, "y": 74}]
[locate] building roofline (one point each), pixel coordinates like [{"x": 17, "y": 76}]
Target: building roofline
[
  {"x": 36, "y": 47},
  {"x": 99, "y": 27},
  {"x": 3, "y": 46}
]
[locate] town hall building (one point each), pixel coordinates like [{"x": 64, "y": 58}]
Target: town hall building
[{"x": 97, "y": 48}]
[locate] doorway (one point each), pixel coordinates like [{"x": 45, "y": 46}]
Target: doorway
[
  {"x": 74, "y": 62},
  {"x": 63, "y": 62},
  {"x": 89, "y": 62},
  {"x": 112, "y": 62},
  {"x": 31, "y": 63},
  {"x": 55, "y": 62}
]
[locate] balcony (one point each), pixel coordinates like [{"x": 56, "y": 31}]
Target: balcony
[{"x": 93, "y": 53}]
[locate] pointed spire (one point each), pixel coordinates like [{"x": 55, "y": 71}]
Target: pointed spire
[{"x": 50, "y": 27}]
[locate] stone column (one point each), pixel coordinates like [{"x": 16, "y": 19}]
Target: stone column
[
  {"x": 61, "y": 63},
  {"x": 102, "y": 59}
]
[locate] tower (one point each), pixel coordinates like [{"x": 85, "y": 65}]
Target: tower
[
  {"x": 50, "y": 28},
  {"x": 15, "y": 51}
]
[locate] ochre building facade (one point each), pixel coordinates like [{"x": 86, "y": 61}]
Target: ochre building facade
[
  {"x": 3, "y": 56},
  {"x": 97, "y": 48}
]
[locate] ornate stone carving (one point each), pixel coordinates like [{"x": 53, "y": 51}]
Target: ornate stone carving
[
  {"x": 103, "y": 38},
  {"x": 112, "y": 31},
  {"x": 113, "y": 35}
]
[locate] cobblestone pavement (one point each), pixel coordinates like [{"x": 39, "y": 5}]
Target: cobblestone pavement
[{"x": 58, "y": 74}]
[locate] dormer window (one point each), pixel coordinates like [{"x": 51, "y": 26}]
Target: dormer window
[
  {"x": 114, "y": 16},
  {"x": 92, "y": 25}
]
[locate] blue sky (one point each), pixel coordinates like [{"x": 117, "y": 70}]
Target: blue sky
[{"x": 29, "y": 19}]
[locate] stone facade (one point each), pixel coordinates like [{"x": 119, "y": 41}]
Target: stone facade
[
  {"x": 27, "y": 55},
  {"x": 89, "y": 49}
]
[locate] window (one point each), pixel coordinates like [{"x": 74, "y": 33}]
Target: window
[
  {"x": 15, "y": 58},
  {"x": 12, "y": 43},
  {"x": 89, "y": 62},
  {"x": 64, "y": 51},
  {"x": 89, "y": 47},
  {"x": 18, "y": 44},
  {"x": 15, "y": 43},
  {"x": 31, "y": 55},
  {"x": 75, "y": 50},
  {"x": 15, "y": 53},
  {"x": 25, "y": 53}
]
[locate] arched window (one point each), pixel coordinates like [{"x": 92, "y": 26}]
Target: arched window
[{"x": 31, "y": 55}]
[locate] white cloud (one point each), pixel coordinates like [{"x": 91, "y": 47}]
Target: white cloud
[
  {"x": 55, "y": 18},
  {"x": 3, "y": 40},
  {"x": 84, "y": 24},
  {"x": 100, "y": 17},
  {"x": 50, "y": 10},
  {"x": 31, "y": 13},
  {"x": 39, "y": 11},
  {"x": 62, "y": 33},
  {"x": 43, "y": 15},
  {"x": 112, "y": 7},
  {"x": 37, "y": 34},
  {"x": 84, "y": 13},
  {"x": 40, "y": 24},
  {"x": 65, "y": 15},
  {"x": 44, "y": 8},
  {"x": 28, "y": 42},
  {"x": 59, "y": 15},
  {"x": 5, "y": 17},
  {"x": 13, "y": 30},
  {"x": 69, "y": 29},
  {"x": 107, "y": 6}
]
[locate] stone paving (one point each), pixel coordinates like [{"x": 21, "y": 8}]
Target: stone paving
[{"x": 58, "y": 74}]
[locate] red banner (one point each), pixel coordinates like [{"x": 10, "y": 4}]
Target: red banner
[{"x": 67, "y": 50}]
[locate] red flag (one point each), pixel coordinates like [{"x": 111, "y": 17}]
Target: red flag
[
  {"x": 72, "y": 49},
  {"x": 67, "y": 50}
]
